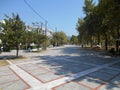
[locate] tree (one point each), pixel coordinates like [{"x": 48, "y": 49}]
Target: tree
[
  {"x": 74, "y": 39},
  {"x": 14, "y": 29},
  {"x": 34, "y": 35},
  {"x": 87, "y": 26},
  {"x": 59, "y": 38},
  {"x": 89, "y": 6},
  {"x": 39, "y": 38},
  {"x": 101, "y": 23}
]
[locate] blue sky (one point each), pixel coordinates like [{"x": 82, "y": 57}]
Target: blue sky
[{"x": 60, "y": 14}]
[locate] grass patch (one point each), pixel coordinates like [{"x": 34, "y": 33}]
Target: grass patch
[
  {"x": 3, "y": 63},
  {"x": 12, "y": 57}
]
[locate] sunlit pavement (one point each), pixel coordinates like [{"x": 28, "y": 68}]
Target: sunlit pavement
[
  {"x": 9, "y": 80},
  {"x": 63, "y": 68}
]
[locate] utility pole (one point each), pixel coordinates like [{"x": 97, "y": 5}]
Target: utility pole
[
  {"x": 45, "y": 47},
  {"x": 41, "y": 25}
]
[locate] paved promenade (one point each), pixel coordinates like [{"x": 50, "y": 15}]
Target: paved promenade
[{"x": 61, "y": 68}]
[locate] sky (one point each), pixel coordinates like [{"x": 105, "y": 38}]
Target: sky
[{"x": 62, "y": 15}]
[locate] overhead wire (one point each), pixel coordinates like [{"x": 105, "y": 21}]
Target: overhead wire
[{"x": 34, "y": 10}]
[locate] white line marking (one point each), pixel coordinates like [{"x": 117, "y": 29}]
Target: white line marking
[
  {"x": 37, "y": 85},
  {"x": 25, "y": 76}
]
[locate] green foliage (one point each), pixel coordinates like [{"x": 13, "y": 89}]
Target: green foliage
[
  {"x": 59, "y": 38},
  {"x": 89, "y": 6},
  {"x": 14, "y": 29},
  {"x": 35, "y": 36},
  {"x": 38, "y": 38},
  {"x": 101, "y": 23},
  {"x": 74, "y": 40}
]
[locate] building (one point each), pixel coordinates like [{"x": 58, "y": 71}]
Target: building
[{"x": 48, "y": 32}]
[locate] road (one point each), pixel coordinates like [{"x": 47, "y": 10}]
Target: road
[{"x": 61, "y": 68}]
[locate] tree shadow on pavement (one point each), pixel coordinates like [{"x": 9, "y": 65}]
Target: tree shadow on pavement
[
  {"x": 67, "y": 64},
  {"x": 4, "y": 57}
]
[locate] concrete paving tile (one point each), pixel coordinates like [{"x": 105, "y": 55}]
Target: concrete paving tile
[
  {"x": 117, "y": 65},
  {"x": 60, "y": 63},
  {"x": 71, "y": 68},
  {"x": 61, "y": 71},
  {"x": 101, "y": 62},
  {"x": 55, "y": 63},
  {"x": 48, "y": 77},
  {"x": 39, "y": 63},
  {"x": 66, "y": 67},
  {"x": 16, "y": 85},
  {"x": 75, "y": 69},
  {"x": 71, "y": 86},
  {"x": 45, "y": 66},
  {"x": 8, "y": 78},
  {"x": 116, "y": 80},
  {"x": 73, "y": 58},
  {"x": 68, "y": 70},
  {"x": 110, "y": 71},
  {"x": 109, "y": 87},
  {"x": 28, "y": 67},
  {"x": 17, "y": 61},
  {"x": 97, "y": 61},
  {"x": 2, "y": 68},
  {"x": 5, "y": 72},
  {"x": 54, "y": 68},
  {"x": 25, "y": 65},
  {"x": 101, "y": 76},
  {"x": 42, "y": 65},
  {"x": 38, "y": 71},
  {"x": 90, "y": 82},
  {"x": 85, "y": 66}
]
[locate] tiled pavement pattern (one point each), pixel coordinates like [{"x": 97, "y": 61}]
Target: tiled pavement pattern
[
  {"x": 10, "y": 81},
  {"x": 57, "y": 70},
  {"x": 52, "y": 67},
  {"x": 42, "y": 74},
  {"x": 104, "y": 79}
]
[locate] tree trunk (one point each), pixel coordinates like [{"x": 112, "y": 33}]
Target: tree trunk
[
  {"x": 98, "y": 42},
  {"x": 117, "y": 42},
  {"x": 17, "y": 50},
  {"x": 91, "y": 41},
  {"x": 117, "y": 46},
  {"x": 106, "y": 42},
  {"x": 26, "y": 46}
]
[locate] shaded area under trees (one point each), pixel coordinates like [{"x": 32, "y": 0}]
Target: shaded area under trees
[{"x": 101, "y": 25}]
